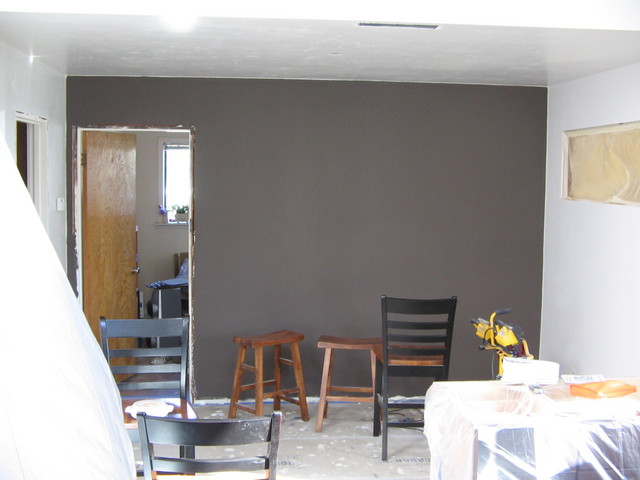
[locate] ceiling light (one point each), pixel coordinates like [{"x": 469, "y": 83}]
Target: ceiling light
[{"x": 180, "y": 22}]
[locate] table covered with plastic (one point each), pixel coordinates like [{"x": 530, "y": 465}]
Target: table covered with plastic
[{"x": 490, "y": 430}]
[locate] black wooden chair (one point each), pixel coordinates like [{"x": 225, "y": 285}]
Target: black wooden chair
[
  {"x": 416, "y": 342},
  {"x": 159, "y": 436},
  {"x": 147, "y": 371}
]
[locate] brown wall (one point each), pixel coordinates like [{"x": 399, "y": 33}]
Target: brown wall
[{"x": 313, "y": 198}]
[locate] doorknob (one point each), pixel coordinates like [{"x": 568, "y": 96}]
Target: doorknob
[{"x": 135, "y": 271}]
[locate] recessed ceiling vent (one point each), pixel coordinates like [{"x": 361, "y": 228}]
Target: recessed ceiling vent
[{"x": 399, "y": 25}]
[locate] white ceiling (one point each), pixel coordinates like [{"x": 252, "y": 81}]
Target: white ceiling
[{"x": 497, "y": 44}]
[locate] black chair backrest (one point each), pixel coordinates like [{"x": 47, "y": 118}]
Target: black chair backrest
[
  {"x": 162, "y": 432},
  {"x": 137, "y": 374},
  {"x": 413, "y": 330}
]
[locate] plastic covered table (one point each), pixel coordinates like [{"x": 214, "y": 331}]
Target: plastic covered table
[{"x": 489, "y": 430}]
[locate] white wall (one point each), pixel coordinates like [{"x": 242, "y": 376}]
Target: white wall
[
  {"x": 39, "y": 91},
  {"x": 591, "y": 284}
]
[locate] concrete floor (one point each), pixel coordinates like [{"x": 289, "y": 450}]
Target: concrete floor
[{"x": 345, "y": 449}]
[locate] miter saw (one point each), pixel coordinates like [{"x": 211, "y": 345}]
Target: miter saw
[{"x": 506, "y": 340}]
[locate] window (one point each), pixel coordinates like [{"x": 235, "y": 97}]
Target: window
[
  {"x": 602, "y": 164},
  {"x": 176, "y": 180}
]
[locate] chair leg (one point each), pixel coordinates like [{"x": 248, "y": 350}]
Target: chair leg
[
  {"x": 324, "y": 388},
  {"x": 385, "y": 416},
  {"x": 277, "y": 376},
  {"x": 297, "y": 370},
  {"x": 259, "y": 364},
  {"x": 237, "y": 382}
]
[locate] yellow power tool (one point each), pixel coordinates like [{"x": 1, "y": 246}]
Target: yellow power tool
[{"x": 506, "y": 340}]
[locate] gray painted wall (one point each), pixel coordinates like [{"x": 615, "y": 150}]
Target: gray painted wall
[{"x": 314, "y": 198}]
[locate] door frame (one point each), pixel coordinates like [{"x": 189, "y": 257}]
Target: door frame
[
  {"x": 37, "y": 161},
  {"x": 76, "y": 214}
]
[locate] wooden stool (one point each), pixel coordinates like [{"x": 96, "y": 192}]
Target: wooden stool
[
  {"x": 329, "y": 344},
  {"x": 258, "y": 342}
]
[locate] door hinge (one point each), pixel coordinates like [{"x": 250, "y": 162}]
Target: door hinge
[{"x": 83, "y": 160}]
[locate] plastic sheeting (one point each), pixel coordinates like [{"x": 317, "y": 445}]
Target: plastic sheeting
[
  {"x": 489, "y": 430},
  {"x": 61, "y": 415}
]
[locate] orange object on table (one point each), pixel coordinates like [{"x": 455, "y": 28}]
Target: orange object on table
[{"x": 605, "y": 389}]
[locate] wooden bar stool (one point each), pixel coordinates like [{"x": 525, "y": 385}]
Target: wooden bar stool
[
  {"x": 258, "y": 343},
  {"x": 326, "y": 388}
]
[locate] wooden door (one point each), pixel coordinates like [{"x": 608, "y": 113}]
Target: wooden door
[{"x": 109, "y": 237}]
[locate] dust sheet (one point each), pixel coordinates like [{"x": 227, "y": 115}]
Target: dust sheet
[{"x": 60, "y": 409}]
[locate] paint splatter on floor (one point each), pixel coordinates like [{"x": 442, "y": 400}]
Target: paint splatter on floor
[{"x": 345, "y": 449}]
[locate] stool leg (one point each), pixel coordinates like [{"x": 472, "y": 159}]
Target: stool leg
[
  {"x": 373, "y": 376},
  {"x": 329, "y": 384},
  {"x": 237, "y": 381},
  {"x": 324, "y": 388},
  {"x": 297, "y": 369},
  {"x": 277, "y": 376},
  {"x": 259, "y": 362},
  {"x": 377, "y": 400}
]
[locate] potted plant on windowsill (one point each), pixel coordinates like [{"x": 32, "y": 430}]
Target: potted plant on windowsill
[{"x": 182, "y": 213}]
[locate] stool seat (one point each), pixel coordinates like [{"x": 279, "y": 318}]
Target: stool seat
[
  {"x": 349, "y": 343},
  {"x": 258, "y": 343},
  {"x": 364, "y": 394},
  {"x": 269, "y": 339}
]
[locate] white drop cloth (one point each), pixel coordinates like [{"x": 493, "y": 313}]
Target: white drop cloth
[{"x": 60, "y": 411}]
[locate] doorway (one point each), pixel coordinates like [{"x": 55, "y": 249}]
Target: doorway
[
  {"x": 31, "y": 150},
  {"x": 155, "y": 238}
]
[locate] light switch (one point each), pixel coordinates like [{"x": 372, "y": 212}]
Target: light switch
[{"x": 60, "y": 204}]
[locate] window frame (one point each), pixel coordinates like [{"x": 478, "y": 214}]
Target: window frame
[
  {"x": 606, "y": 143},
  {"x": 163, "y": 142}
]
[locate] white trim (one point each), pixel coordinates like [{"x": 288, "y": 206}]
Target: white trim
[
  {"x": 37, "y": 162},
  {"x": 184, "y": 140},
  {"x": 77, "y": 192}
]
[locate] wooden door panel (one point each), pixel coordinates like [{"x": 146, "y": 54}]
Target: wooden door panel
[{"x": 109, "y": 241}]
